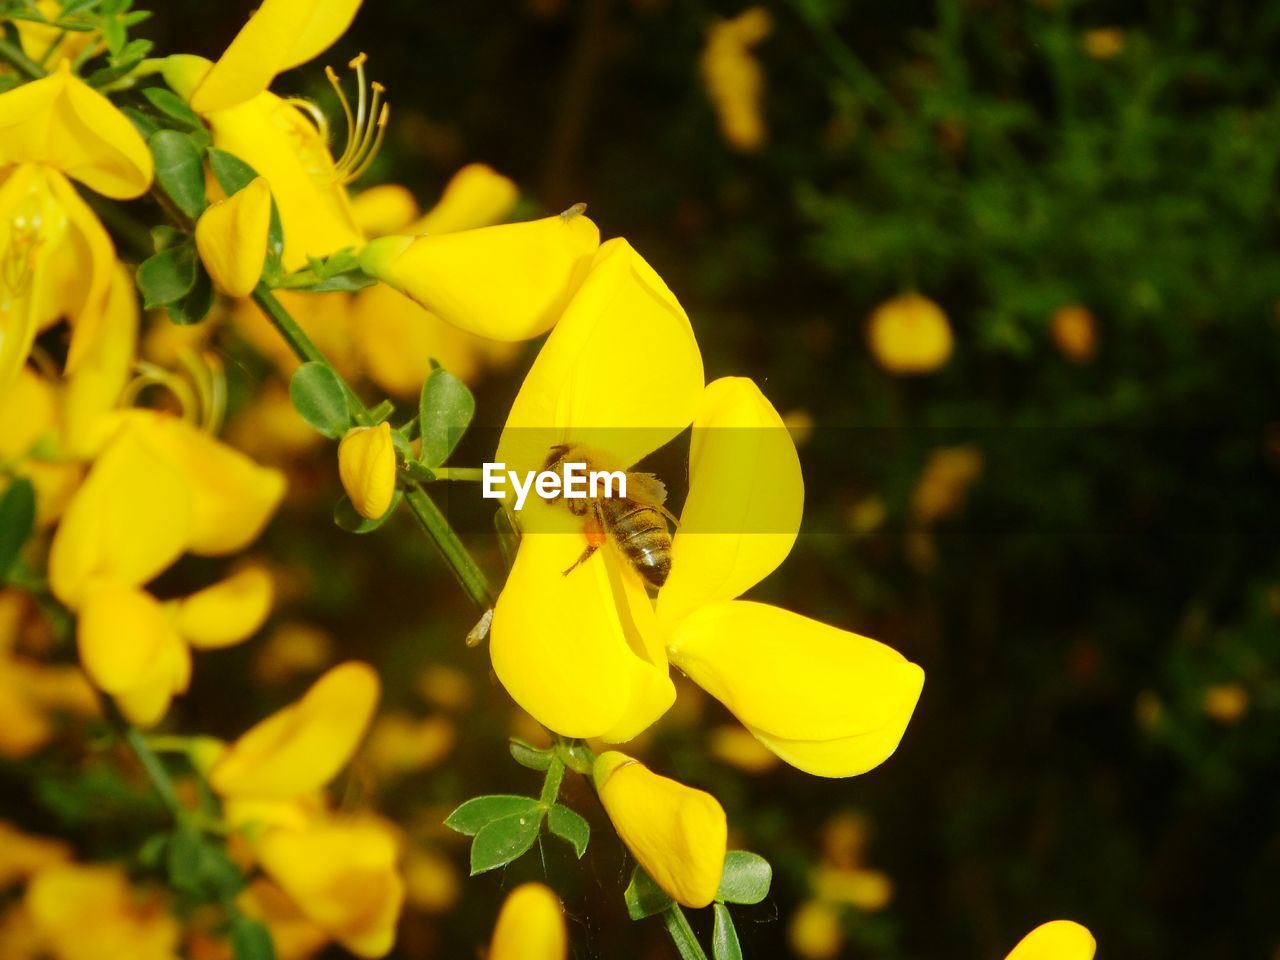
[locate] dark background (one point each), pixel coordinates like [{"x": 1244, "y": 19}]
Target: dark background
[{"x": 1117, "y": 555}]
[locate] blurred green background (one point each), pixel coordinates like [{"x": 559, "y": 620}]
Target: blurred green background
[{"x": 1096, "y": 611}]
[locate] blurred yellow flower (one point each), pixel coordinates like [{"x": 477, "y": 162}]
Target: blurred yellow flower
[
  {"x": 1056, "y": 940},
  {"x": 1226, "y": 702},
  {"x": 476, "y": 196},
  {"x": 431, "y": 880},
  {"x": 367, "y": 467},
  {"x": 814, "y": 931},
  {"x": 231, "y": 236},
  {"x": 1103, "y": 43},
  {"x": 944, "y": 482},
  {"x": 299, "y": 749},
  {"x": 92, "y": 913},
  {"x": 530, "y": 926},
  {"x": 733, "y": 78},
  {"x": 22, "y": 855},
  {"x": 401, "y": 744},
  {"x": 676, "y": 833},
  {"x": 1074, "y": 330},
  {"x": 291, "y": 649},
  {"x": 909, "y": 335},
  {"x": 738, "y": 748},
  {"x": 386, "y": 208},
  {"x": 226, "y": 612},
  {"x": 508, "y": 282},
  {"x": 446, "y": 687},
  {"x": 868, "y": 890},
  {"x": 293, "y": 936}
]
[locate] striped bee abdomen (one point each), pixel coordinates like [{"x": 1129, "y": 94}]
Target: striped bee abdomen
[{"x": 641, "y": 533}]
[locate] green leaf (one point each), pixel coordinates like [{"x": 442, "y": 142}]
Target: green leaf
[
  {"x": 180, "y": 170},
  {"x": 445, "y": 409},
  {"x": 724, "y": 939},
  {"x": 168, "y": 276},
  {"x": 417, "y": 471},
  {"x": 319, "y": 397},
  {"x": 348, "y": 518},
  {"x": 250, "y": 940},
  {"x": 143, "y": 123},
  {"x": 474, "y": 815},
  {"x": 644, "y": 897},
  {"x": 568, "y": 825},
  {"x": 17, "y": 520},
  {"x": 172, "y": 106},
  {"x": 195, "y": 306},
  {"x": 503, "y": 840},
  {"x": 182, "y": 859},
  {"x": 746, "y": 878},
  {"x": 164, "y": 236},
  {"x": 527, "y": 755}
]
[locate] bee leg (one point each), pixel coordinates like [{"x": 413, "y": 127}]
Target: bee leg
[{"x": 586, "y": 555}]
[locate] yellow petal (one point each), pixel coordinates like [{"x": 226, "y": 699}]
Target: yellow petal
[
  {"x": 530, "y": 926},
  {"x": 509, "y": 282},
  {"x": 678, "y": 834},
  {"x": 827, "y": 701},
  {"x": 1056, "y": 940},
  {"x": 343, "y": 877},
  {"x": 232, "y": 498},
  {"x": 476, "y": 196},
  {"x": 146, "y": 705},
  {"x": 280, "y": 35},
  {"x": 231, "y": 237},
  {"x": 302, "y": 747},
  {"x": 367, "y": 466},
  {"x": 104, "y": 369},
  {"x": 123, "y": 635},
  {"x": 26, "y": 414},
  {"x": 621, "y": 373},
  {"x": 227, "y": 612},
  {"x": 129, "y": 520},
  {"x": 386, "y": 208},
  {"x": 575, "y": 651},
  {"x": 910, "y": 334},
  {"x": 746, "y": 498},
  {"x": 284, "y": 147},
  {"x": 64, "y": 123}
]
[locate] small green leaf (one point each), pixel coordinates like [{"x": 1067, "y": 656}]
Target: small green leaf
[
  {"x": 724, "y": 939},
  {"x": 232, "y": 173},
  {"x": 417, "y": 471},
  {"x": 17, "y": 520},
  {"x": 568, "y": 825},
  {"x": 474, "y": 815},
  {"x": 319, "y": 397},
  {"x": 746, "y": 878},
  {"x": 164, "y": 236},
  {"x": 168, "y": 276},
  {"x": 195, "y": 306},
  {"x": 348, "y": 518},
  {"x": 143, "y": 123},
  {"x": 445, "y": 409},
  {"x": 183, "y": 859},
  {"x": 172, "y": 106},
  {"x": 250, "y": 940},
  {"x": 527, "y": 755},
  {"x": 180, "y": 170},
  {"x": 644, "y": 897},
  {"x": 503, "y": 840}
]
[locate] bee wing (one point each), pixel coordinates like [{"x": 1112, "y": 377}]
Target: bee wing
[{"x": 646, "y": 488}]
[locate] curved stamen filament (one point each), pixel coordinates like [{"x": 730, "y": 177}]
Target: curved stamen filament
[
  {"x": 366, "y": 124},
  {"x": 150, "y": 375}
]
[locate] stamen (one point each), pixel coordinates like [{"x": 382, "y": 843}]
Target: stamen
[
  {"x": 315, "y": 113},
  {"x": 366, "y": 124},
  {"x": 150, "y": 375}
]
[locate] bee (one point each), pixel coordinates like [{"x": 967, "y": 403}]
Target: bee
[{"x": 637, "y": 523}]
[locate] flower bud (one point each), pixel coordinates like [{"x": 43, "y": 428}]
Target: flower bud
[
  {"x": 1056, "y": 940},
  {"x": 676, "y": 833},
  {"x": 1074, "y": 330},
  {"x": 367, "y": 466},
  {"x": 231, "y": 237},
  {"x": 530, "y": 926},
  {"x": 476, "y": 196},
  {"x": 509, "y": 282},
  {"x": 910, "y": 334}
]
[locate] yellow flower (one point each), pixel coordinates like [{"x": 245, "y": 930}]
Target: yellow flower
[
  {"x": 92, "y": 913},
  {"x": 231, "y": 237},
  {"x": 1074, "y": 330},
  {"x": 299, "y": 749},
  {"x": 272, "y": 135},
  {"x": 736, "y": 747},
  {"x": 22, "y": 855},
  {"x": 676, "y": 833},
  {"x": 367, "y": 466},
  {"x": 476, "y": 196},
  {"x": 55, "y": 257},
  {"x": 814, "y": 931},
  {"x": 431, "y": 880},
  {"x": 910, "y": 334},
  {"x": 400, "y": 744},
  {"x": 93, "y": 391},
  {"x": 386, "y": 208},
  {"x": 865, "y": 889},
  {"x": 49, "y": 44},
  {"x": 293, "y": 936},
  {"x": 1226, "y": 702},
  {"x": 343, "y": 877},
  {"x": 733, "y": 78},
  {"x": 1056, "y": 940},
  {"x": 226, "y": 612},
  {"x": 530, "y": 926},
  {"x": 1103, "y": 43},
  {"x": 945, "y": 481},
  {"x": 509, "y": 282}
]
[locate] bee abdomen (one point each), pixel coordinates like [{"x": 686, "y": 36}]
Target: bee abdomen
[{"x": 641, "y": 534}]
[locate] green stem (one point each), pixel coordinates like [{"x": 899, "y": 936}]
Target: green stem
[
  {"x": 682, "y": 934},
  {"x": 551, "y": 785},
  {"x": 155, "y": 771},
  {"x": 856, "y": 74},
  {"x": 466, "y": 474},
  {"x": 455, "y": 553},
  {"x": 24, "y": 64}
]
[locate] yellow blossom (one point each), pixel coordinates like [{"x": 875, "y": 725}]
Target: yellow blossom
[
  {"x": 1056, "y": 940},
  {"x": 530, "y": 926},
  {"x": 93, "y": 391},
  {"x": 865, "y": 889},
  {"x": 293, "y": 936},
  {"x": 733, "y": 78},
  {"x": 299, "y": 749},
  {"x": 22, "y": 855},
  {"x": 1103, "y": 43},
  {"x": 386, "y": 208},
  {"x": 367, "y": 467},
  {"x": 676, "y": 833},
  {"x": 325, "y": 318},
  {"x": 945, "y": 481},
  {"x": 231, "y": 236},
  {"x": 814, "y": 931},
  {"x": 509, "y": 282},
  {"x": 735, "y": 746},
  {"x": 446, "y": 687},
  {"x": 909, "y": 335},
  {"x": 476, "y": 196},
  {"x": 431, "y": 880},
  {"x": 92, "y": 913},
  {"x": 1226, "y": 702},
  {"x": 1074, "y": 330},
  {"x": 399, "y": 744},
  {"x": 226, "y": 612},
  {"x": 293, "y": 648}
]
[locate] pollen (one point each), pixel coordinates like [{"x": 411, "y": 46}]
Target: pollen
[{"x": 366, "y": 124}]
